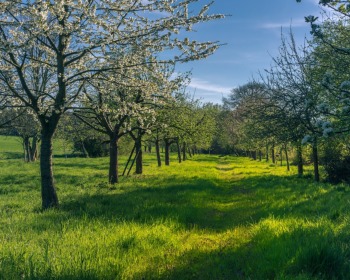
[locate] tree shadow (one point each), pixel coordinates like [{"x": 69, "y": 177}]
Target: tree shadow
[
  {"x": 308, "y": 253},
  {"x": 213, "y": 205},
  {"x": 10, "y": 155},
  {"x": 217, "y": 205}
]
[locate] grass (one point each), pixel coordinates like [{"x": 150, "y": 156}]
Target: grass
[{"x": 210, "y": 217}]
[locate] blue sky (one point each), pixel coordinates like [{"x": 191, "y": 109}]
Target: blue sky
[{"x": 252, "y": 34}]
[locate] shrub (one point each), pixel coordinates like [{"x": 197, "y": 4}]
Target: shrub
[
  {"x": 337, "y": 166},
  {"x": 91, "y": 147}
]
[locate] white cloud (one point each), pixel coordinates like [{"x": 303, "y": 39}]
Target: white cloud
[
  {"x": 208, "y": 87},
  {"x": 292, "y": 23}
]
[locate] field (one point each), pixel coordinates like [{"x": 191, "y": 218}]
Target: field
[{"x": 210, "y": 217}]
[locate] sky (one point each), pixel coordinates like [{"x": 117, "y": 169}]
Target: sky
[{"x": 252, "y": 36}]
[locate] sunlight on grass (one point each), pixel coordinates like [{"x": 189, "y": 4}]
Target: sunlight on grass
[{"x": 210, "y": 217}]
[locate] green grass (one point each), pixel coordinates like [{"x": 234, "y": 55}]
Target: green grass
[
  {"x": 11, "y": 147},
  {"x": 210, "y": 217}
]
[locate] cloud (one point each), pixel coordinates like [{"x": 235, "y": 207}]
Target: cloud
[
  {"x": 292, "y": 23},
  {"x": 208, "y": 87}
]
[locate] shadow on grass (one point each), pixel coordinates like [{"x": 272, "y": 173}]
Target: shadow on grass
[
  {"x": 215, "y": 205},
  {"x": 11, "y": 155},
  {"x": 184, "y": 202},
  {"x": 206, "y": 204},
  {"x": 301, "y": 253},
  {"x": 15, "y": 179},
  {"x": 82, "y": 165}
]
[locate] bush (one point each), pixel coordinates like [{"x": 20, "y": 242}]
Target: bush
[
  {"x": 91, "y": 147},
  {"x": 337, "y": 166}
]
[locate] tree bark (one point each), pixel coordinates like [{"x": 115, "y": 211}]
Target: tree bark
[
  {"x": 273, "y": 154},
  {"x": 287, "y": 158},
  {"x": 34, "y": 149},
  {"x": 26, "y": 148},
  {"x": 254, "y": 155},
  {"x": 128, "y": 161},
  {"x": 85, "y": 152},
  {"x": 113, "y": 160},
  {"x": 138, "y": 146},
  {"x": 184, "y": 151},
  {"x": 167, "y": 152},
  {"x": 300, "y": 160},
  {"x": 48, "y": 191},
  {"x": 281, "y": 155},
  {"x": 267, "y": 153},
  {"x": 315, "y": 159},
  {"x": 178, "y": 150},
  {"x": 158, "y": 153},
  {"x": 189, "y": 152}
]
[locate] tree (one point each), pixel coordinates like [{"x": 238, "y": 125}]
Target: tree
[
  {"x": 250, "y": 109},
  {"x": 49, "y": 50},
  {"x": 297, "y": 94},
  {"x": 24, "y": 124},
  {"x": 332, "y": 50},
  {"x": 125, "y": 108}
]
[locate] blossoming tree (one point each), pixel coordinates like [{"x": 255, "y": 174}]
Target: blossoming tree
[{"x": 49, "y": 50}]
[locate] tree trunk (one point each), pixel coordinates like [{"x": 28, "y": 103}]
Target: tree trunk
[
  {"x": 85, "y": 152},
  {"x": 184, "y": 151},
  {"x": 48, "y": 191},
  {"x": 128, "y": 161},
  {"x": 287, "y": 158},
  {"x": 158, "y": 153},
  {"x": 281, "y": 155},
  {"x": 300, "y": 160},
  {"x": 138, "y": 146},
  {"x": 315, "y": 159},
  {"x": 260, "y": 155},
  {"x": 113, "y": 160},
  {"x": 26, "y": 148},
  {"x": 189, "y": 152},
  {"x": 254, "y": 155},
  {"x": 167, "y": 152},
  {"x": 273, "y": 154},
  {"x": 150, "y": 148},
  {"x": 178, "y": 150},
  {"x": 267, "y": 153},
  {"x": 34, "y": 149}
]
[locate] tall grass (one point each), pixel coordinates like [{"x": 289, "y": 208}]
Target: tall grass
[{"x": 210, "y": 217}]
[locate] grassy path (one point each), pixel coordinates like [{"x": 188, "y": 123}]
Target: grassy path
[{"x": 208, "y": 218}]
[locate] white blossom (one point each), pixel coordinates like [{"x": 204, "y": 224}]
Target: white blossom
[
  {"x": 345, "y": 85},
  {"x": 327, "y": 132},
  {"x": 306, "y": 139},
  {"x": 323, "y": 108}
]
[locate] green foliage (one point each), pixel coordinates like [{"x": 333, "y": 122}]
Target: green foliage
[
  {"x": 336, "y": 162},
  {"x": 93, "y": 147},
  {"x": 208, "y": 218}
]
